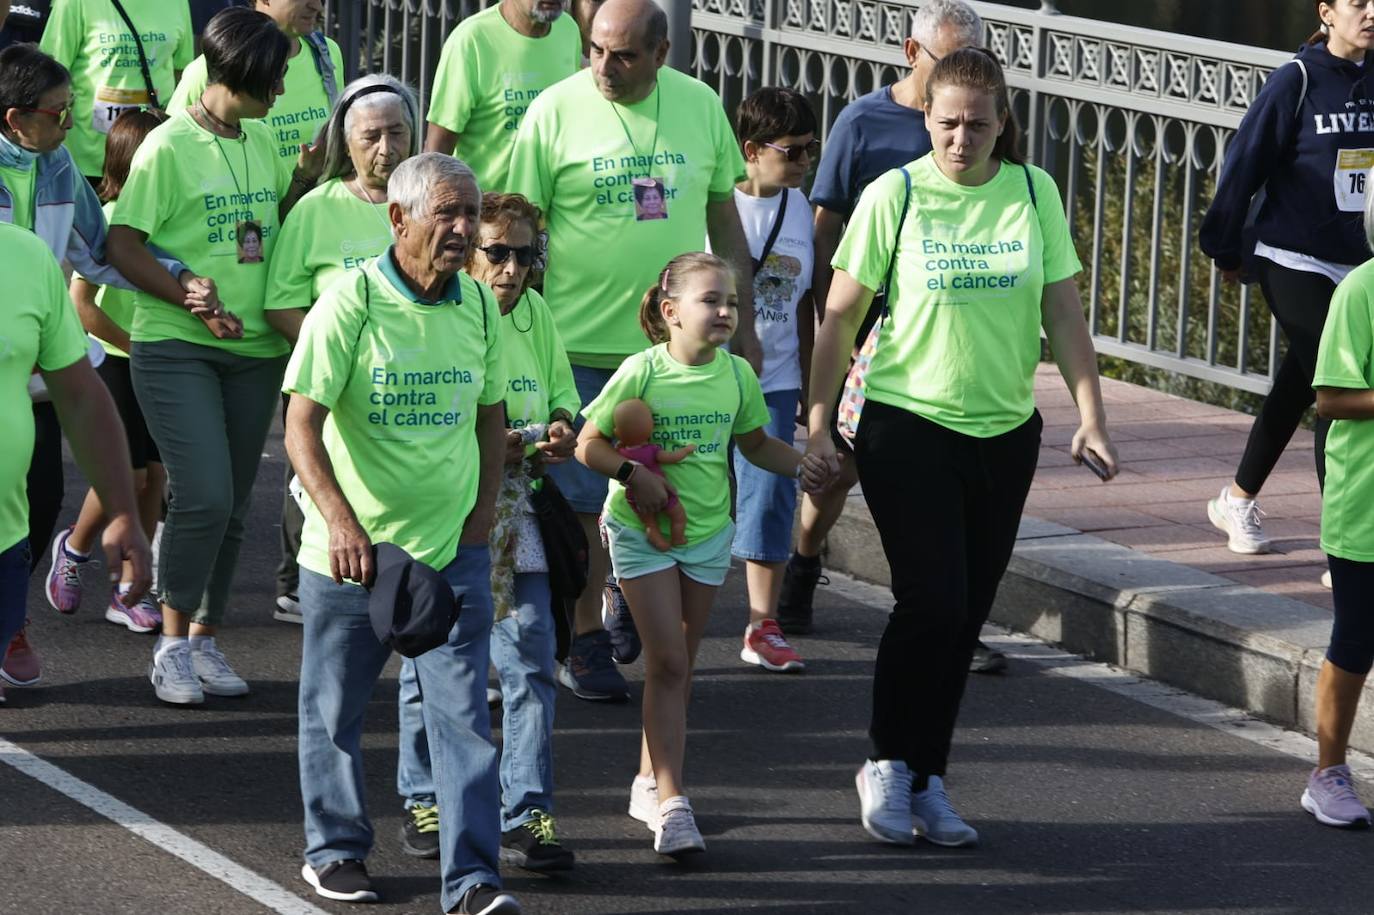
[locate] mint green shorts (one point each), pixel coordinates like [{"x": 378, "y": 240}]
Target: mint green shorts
[{"x": 632, "y": 556}]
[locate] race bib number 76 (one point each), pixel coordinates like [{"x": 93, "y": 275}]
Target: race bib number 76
[{"x": 1352, "y": 169}]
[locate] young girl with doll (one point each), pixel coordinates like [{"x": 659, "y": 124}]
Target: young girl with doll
[{"x": 700, "y": 396}]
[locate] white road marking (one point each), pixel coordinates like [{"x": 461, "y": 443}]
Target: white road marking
[
  {"x": 254, "y": 886},
  {"x": 1141, "y": 689}
]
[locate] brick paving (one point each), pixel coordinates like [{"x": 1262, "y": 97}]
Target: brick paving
[{"x": 1175, "y": 455}]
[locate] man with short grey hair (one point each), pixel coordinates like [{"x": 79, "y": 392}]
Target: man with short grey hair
[
  {"x": 875, "y": 133},
  {"x": 396, "y": 428}
]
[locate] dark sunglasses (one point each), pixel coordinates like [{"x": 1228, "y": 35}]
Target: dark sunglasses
[
  {"x": 499, "y": 254},
  {"x": 794, "y": 153}
]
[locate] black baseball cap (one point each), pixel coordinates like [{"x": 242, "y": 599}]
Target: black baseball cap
[{"x": 412, "y": 608}]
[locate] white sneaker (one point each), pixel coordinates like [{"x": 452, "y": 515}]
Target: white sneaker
[
  {"x": 1240, "y": 519},
  {"x": 935, "y": 819},
  {"x": 217, "y": 678},
  {"x": 676, "y": 833},
  {"x": 1326, "y": 579},
  {"x": 885, "y": 801},
  {"x": 644, "y": 800},
  {"x": 173, "y": 678}
]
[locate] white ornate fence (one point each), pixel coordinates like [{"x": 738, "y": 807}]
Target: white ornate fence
[{"x": 1132, "y": 123}]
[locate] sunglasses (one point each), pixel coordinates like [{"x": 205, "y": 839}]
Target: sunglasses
[
  {"x": 62, "y": 114},
  {"x": 499, "y": 254},
  {"x": 794, "y": 153}
]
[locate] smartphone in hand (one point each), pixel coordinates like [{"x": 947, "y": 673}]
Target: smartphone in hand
[{"x": 1094, "y": 463}]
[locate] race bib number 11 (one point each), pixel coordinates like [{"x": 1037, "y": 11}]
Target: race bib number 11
[
  {"x": 1352, "y": 167},
  {"x": 110, "y": 103}
]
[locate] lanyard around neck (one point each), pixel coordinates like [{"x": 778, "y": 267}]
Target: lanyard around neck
[{"x": 653, "y": 148}]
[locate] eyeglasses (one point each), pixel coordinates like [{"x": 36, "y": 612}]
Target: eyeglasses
[
  {"x": 933, "y": 58},
  {"x": 499, "y": 254},
  {"x": 794, "y": 153},
  {"x": 62, "y": 114}
]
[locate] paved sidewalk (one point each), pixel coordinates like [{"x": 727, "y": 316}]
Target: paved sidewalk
[{"x": 1176, "y": 454}]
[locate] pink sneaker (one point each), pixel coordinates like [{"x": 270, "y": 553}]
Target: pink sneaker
[
  {"x": 767, "y": 647},
  {"x": 63, "y": 584},
  {"x": 143, "y": 616},
  {"x": 21, "y": 666}
]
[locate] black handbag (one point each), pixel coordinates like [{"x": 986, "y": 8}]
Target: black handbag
[{"x": 565, "y": 551}]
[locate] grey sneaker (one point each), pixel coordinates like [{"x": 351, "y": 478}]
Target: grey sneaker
[
  {"x": 173, "y": 679},
  {"x": 1331, "y": 798},
  {"x": 676, "y": 832},
  {"x": 885, "y": 801},
  {"x": 217, "y": 678},
  {"x": 1240, "y": 519},
  {"x": 934, "y": 818}
]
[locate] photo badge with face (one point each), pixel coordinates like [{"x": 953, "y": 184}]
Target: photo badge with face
[
  {"x": 651, "y": 202},
  {"x": 249, "y": 236}
]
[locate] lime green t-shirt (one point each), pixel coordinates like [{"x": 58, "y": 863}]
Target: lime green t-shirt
[
  {"x": 488, "y": 75},
  {"x": 20, "y": 182},
  {"x": 576, "y": 156},
  {"x": 402, "y": 381},
  {"x": 962, "y": 339},
  {"x": 1345, "y": 359},
  {"x": 536, "y": 367},
  {"x": 193, "y": 214},
  {"x": 296, "y": 116},
  {"x": 118, "y": 304},
  {"x": 329, "y": 232},
  {"x": 702, "y": 405},
  {"x": 40, "y": 328},
  {"x": 90, "y": 39}
]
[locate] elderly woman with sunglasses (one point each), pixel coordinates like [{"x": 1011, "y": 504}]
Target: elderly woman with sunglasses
[
  {"x": 541, "y": 401},
  {"x": 337, "y": 227}
]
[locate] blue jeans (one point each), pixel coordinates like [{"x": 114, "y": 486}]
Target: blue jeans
[
  {"x": 14, "y": 590},
  {"x": 765, "y": 502},
  {"x": 584, "y": 488},
  {"x": 341, "y": 660},
  {"x": 522, "y": 647}
]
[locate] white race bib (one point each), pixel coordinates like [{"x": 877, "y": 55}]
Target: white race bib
[
  {"x": 1352, "y": 165},
  {"x": 110, "y": 103}
]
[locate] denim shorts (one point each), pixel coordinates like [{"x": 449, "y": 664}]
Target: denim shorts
[
  {"x": 584, "y": 488},
  {"x": 766, "y": 502},
  {"x": 632, "y": 556}
]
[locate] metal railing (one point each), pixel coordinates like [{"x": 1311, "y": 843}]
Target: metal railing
[{"x": 1133, "y": 123}]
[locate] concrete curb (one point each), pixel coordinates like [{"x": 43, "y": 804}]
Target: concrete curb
[{"x": 1208, "y": 635}]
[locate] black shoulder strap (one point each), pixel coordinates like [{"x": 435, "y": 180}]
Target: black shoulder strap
[
  {"x": 142, "y": 58},
  {"x": 773, "y": 233},
  {"x": 896, "y": 241},
  {"x": 1030, "y": 186},
  {"x": 482, "y": 296}
]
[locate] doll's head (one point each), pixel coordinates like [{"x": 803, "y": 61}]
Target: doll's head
[{"x": 634, "y": 423}]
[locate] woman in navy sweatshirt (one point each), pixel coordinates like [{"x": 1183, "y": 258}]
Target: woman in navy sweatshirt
[{"x": 1308, "y": 143}]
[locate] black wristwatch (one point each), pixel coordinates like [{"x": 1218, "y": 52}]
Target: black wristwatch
[{"x": 626, "y": 470}]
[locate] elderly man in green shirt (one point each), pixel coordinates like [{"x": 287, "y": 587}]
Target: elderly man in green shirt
[
  {"x": 493, "y": 65},
  {"x": 585, "y": 146}
]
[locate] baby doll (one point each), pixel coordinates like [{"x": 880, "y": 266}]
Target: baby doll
[{"x": 634, "y": 425}]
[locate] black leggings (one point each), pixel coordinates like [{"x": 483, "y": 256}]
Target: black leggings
[
  {"x": 1352, "y": 630},
  {"x": 947, "y": 507},
  {"x": 46, "y": 485},
  {"x": 1299, "y": 301}
]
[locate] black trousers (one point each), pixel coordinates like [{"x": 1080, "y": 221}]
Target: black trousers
[
  {"x": 947, "y": 507},
  {"x": 46, "y": 486},
  {"x": 1299, "y": 301}
]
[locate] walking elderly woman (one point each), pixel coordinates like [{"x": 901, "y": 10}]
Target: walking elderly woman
[
  {"x": 337, "y": 227},
  {"x": 947, "y": 442},
  {"x": 396, "y": 407}
]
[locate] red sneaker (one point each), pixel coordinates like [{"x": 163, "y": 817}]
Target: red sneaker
[
  {"x": 21, "y": 665},
  {"x": 766, "y": 647}
]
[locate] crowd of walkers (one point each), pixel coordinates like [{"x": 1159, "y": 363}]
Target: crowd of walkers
[{"x": 540, "y": 381}]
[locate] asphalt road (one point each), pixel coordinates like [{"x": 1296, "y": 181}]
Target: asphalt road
[{"x": 1087, "y": 801}]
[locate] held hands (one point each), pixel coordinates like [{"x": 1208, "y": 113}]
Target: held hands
[
  {"x": 202, "y": 300},
  {"x": 350, "y": 553},
  {"x": 820, "y": 452},
  {"x": 815, "y": 473},
  {"x": 124, "y": 541},
  {"x": 1094, "y": 439},
  {"x": 515, "y": 447},
  {"x": 561, "y": 444}
]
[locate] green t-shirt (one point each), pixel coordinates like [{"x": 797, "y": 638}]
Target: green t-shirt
[
  {"x": 296, "y": 116},
  {"x": 573, "y": 159},
  {"x": 702, "y": 405},
  {"x": 193, "y": 213},
  {"x": 402, "y": 381},
  {"x": 40, "y": 328},
  {"x": 118, "y": 304},
  {"x": 535, "y": 365},
  {"x": 962, "y": 339},
  {"x": 90, "y": 39},
  {"x": 488, "y": 75},
  {"x": 20, "y": 182},
  {"x": 329, "y": 232},
  {"x": 1345, "y": 359}
]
